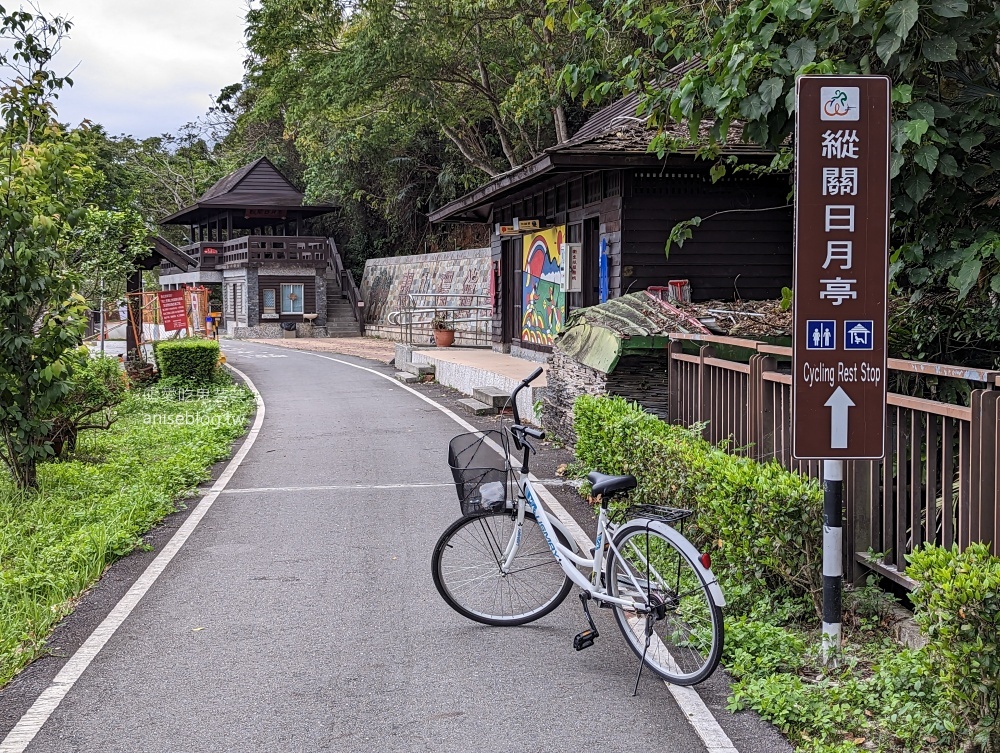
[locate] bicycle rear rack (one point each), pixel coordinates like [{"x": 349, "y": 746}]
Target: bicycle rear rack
[{"x": 669, "y": 515}]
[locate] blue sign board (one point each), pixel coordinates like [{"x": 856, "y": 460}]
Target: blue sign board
[
  {"x": 859, "y": 334},
  {"x": 821, "y": 334},
  {"x": 604, "y": 270}
]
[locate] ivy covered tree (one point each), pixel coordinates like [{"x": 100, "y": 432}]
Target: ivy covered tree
[
  {"x": 944, "y": 59},
  {"x": 44, "y": 177}
]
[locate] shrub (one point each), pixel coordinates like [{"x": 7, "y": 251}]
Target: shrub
[
  {"x": 192, "y": 360},
  {"x": 763, "y": 523},
  {"x": 96, "y": 387},
  {"x": 957, "y": 605}
]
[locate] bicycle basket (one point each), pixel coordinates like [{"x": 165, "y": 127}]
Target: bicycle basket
[{"x": 480, "y": 473}]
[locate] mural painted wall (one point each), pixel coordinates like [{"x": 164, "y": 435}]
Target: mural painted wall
[
  {"x": 542, "y": 299},
  {"x": 456, "y": 281}
]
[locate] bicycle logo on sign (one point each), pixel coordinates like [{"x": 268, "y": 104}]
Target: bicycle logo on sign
[{"x": 837, "y": 106}]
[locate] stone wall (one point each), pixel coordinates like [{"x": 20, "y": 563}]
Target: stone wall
[
  {"x": 642, "y": 378},
  {"x": 453, "y": 282}
]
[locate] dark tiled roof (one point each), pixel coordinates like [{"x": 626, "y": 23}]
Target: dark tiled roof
[
  {"x": 229, "y": 182},
  {"x": 617, "y": 127},
  {"x": 257, "y": 184},
  {"x": 623, "y": 110},
  {"x": 277, "y": 185}
]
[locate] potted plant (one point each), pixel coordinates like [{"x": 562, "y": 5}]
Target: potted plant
[{"x": 444, "y": 331}]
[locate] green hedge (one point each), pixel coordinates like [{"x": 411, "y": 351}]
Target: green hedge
[
  {"x": 957, "y": 606},
  {"x": 763, "y": 524},
  {"x": 190, "y": 360}
]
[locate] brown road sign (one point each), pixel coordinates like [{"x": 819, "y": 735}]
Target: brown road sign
[{"x": 841, "y": 266}]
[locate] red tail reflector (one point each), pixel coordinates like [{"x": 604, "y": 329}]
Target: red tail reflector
[{"x": 706, "y": 560}]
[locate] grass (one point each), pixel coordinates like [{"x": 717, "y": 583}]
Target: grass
[
  {"x": 94, "y": 507},
  {"x": 880, "y": 697}
]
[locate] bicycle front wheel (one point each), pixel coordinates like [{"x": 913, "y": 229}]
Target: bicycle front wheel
[
  {"x": 680, "y": 638},
  {"x": 466, "y": 567}
]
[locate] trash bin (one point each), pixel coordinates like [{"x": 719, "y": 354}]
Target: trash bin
[{"x": 288, "y": 329}]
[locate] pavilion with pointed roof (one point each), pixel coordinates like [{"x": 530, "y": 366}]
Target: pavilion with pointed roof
[{"x": 250, "y": 238}]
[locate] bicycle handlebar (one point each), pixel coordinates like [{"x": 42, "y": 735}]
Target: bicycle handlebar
[
  {"x": 534, "y": 375},
  {"x": 519, "y": 440},
  {"x": 524, "y": 383}
]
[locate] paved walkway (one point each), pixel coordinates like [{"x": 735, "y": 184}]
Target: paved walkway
[
  {"x": 301, "y": 616},
  {"x": 514, "y": 369},
  {"x": 307, "y": 620},
  {"x": 372, "y": 348}
]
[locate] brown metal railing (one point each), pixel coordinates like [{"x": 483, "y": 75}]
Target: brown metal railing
[
  {"x": 939, "y": 480},
  {"x": 347, "y": 283}
]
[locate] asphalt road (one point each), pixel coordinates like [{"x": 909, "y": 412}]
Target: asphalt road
[{"x": 305, "y": 619}]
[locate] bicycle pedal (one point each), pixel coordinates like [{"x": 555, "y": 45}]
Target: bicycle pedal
[{"x": 585, "y": 639}]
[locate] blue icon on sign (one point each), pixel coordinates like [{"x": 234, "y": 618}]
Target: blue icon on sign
[
  {"x": 821, "y": 334},
  {"x": 859, "y": 335}
]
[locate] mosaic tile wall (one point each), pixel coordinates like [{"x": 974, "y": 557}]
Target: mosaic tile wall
[{"x": 455, "y": 284}]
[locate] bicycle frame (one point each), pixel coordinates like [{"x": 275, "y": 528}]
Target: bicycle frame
[{"x": 568, "y": 560}]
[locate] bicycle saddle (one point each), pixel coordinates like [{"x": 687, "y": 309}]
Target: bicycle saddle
[{"x": 606, "y": 485}]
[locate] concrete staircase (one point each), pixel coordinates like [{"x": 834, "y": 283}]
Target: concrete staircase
[{"x": 340, "y": 321}]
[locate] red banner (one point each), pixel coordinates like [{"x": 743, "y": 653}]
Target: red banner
[{"x": 173, "y": 310}]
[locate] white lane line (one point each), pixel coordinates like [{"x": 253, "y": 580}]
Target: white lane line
[
  {"x": 705, "y": 725},
  {"x": 28, "y": 726},
  {"x": 335, "y": 487}
]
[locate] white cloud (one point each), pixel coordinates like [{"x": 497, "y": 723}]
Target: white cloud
[{"x": 146, "y": 68}]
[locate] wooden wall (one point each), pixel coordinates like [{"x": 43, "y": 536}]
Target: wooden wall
[
  {"x": 564, "y": 199},
  {"x": 738, "y": 253}
]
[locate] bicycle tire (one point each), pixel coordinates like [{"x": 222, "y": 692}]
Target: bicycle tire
[
  {"x": 535, "y": 585},
  {"x": 687, "y": 637}
]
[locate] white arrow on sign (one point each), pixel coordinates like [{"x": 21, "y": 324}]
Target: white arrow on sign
[{"x": 838, "y": 403}]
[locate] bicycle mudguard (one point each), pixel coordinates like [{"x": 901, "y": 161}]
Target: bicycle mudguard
[
  {"x": 685, "y": 546},
  {"x": 557, "y": 524}
]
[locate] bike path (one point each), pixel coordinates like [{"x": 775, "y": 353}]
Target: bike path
[{"x": 299, "y": 618}]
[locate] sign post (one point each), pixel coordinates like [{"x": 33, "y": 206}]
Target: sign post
[
  {"x": 173, "y": 310},
  {"x": 841, "y": 283}
]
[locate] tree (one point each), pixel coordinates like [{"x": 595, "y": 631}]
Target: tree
[
  {"x": 45, "y": 177},
  {"x": 107, "y": 245},
  {"x": 392, "y": 108}
]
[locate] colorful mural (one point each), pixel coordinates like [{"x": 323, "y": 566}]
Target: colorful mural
[
  {"x": 542, "y": 297},
  {"x": 453, "y": 281}
]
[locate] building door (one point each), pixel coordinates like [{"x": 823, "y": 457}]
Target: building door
[
  {"x": 590, "y": 279},
  {"x": 510, "y": 290}
]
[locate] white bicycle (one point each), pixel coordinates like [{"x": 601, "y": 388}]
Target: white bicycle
[{"x": 507, "y": 561}]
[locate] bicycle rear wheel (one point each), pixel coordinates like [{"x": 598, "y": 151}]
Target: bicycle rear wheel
[
  {"x": 466, "y": 568},
  {"x": 681, "y": 638}
]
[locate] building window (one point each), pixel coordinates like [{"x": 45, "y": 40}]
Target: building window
[
  {"x": 612, "y": 183},
  {"x": 269, "y": 301},
  {"x": 576, "y": 193},
  {"x": 592, "y": 188},
  {"x": 291, "y": 299}
]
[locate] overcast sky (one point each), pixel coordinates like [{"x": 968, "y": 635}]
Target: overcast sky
[{"x": 147, "y": 67}]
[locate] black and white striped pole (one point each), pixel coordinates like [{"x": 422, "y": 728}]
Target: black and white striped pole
[{"x": 833, "y": 556}]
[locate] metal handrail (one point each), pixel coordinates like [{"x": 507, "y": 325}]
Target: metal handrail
[{"x": 405, "y": 318}]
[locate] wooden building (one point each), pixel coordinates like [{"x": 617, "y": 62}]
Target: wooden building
[
  {"x": 249, "y": 236},
  {"x": 608, "y": 206}
]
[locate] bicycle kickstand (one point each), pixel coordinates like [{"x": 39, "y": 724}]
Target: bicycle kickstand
[
  {"x": 642, "y": 659},
  {"x": 587, "y": 637}
]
